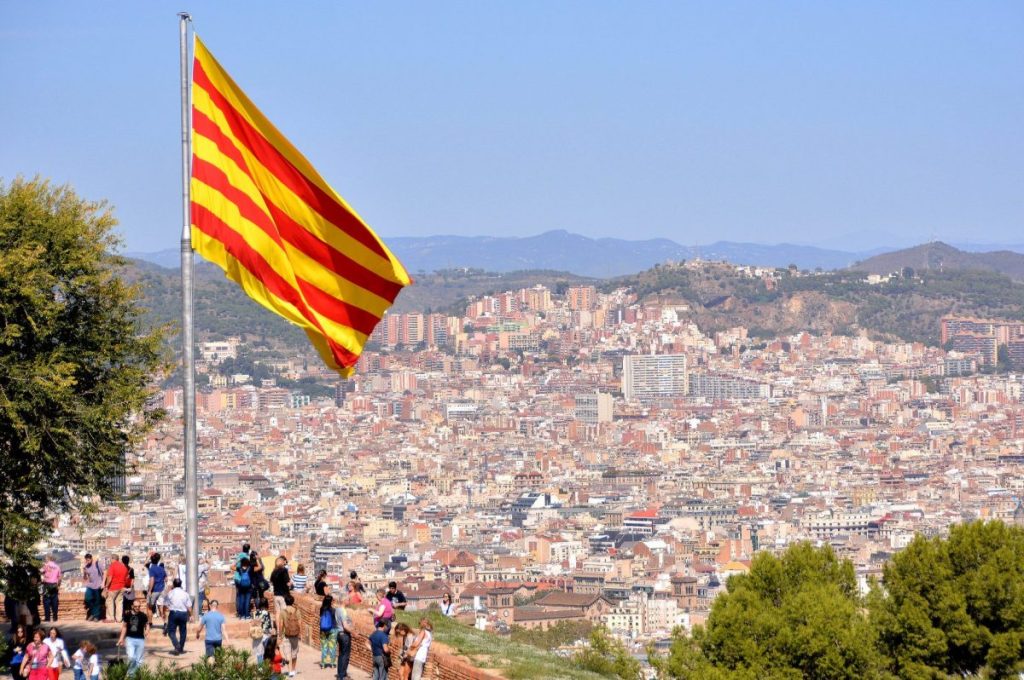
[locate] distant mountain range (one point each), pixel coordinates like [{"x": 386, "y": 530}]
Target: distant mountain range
[
  {"x": 563, "y": 251},
  {"x": 608, "y": 257},
  {"x": 938, "y": 256}
]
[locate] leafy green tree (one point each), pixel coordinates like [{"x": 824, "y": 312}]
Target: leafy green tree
[
  {"x": 955, "y": 606},
  {"x": 792, "y": 616},
  {"x": 76, "y": 364},
  {"x": 607, "y": 656}
]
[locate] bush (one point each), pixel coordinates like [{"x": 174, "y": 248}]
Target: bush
[{"x": 227, "y": 664}]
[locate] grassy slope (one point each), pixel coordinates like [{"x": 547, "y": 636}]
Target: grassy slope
[{"x": 514, "y": 661}]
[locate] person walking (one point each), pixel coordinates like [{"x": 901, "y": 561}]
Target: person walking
[
  {"x": 328, "y": 634},
  {"x": 377, "y": 643},
  {"x": 261, "y": 629},
  {"x": 300, "y": 580},
  {"x": 37, "y": 658},
  {"x": 343, "y": 620},
  {"x": 114, "y": 583},
  {"x": 282, "y": 585},
  {"x": 17, "y": 645},
  {"x": 133, "y": 636},
  {"x": 52, "y": 577},
  {"x": 292, "y": 629},
  {"x": 157, "y": 582},
  {"x": 204, "y": 583},
  {"x": 243, "y": 588},
  {"x": 92, "y": 575},
  {"x": 216, "y": 634},
  {"x": 179, "y": 611},
  {"x": 58, "y": 654},
  {"x": 421, "y": 649}
]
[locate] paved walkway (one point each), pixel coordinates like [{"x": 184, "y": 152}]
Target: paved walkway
[{"x": 158, "y": 648}]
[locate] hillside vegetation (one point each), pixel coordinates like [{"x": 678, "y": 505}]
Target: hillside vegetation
[{"x": 904, "y": 307}]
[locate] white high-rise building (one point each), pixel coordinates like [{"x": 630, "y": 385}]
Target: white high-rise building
[{"x": 649, "y": 377}]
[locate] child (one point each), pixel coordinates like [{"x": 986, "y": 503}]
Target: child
[
  {"x": 79, "y": 661},
  {"x": 94, "y": 660},
  {"x": 273, "y": 653}
]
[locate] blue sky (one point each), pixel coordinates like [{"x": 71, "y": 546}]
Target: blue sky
[{"x": 836, "y": 123}]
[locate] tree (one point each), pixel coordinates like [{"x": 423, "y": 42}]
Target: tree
[
  {"x": 77, "y": 367},
  {"x": 792, "y": 616},
  {"x": 955, "y": 606},
  {"x": 607, "y": 656}
]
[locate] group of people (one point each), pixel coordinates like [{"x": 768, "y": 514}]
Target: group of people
[
  {"x": 42, "y": 655},
  {"x": 412, "y": 648}
]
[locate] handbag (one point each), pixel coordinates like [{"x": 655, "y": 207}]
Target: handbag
[{"x": 256, "y": 631}]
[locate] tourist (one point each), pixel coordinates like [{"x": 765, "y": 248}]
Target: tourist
[
  {"x": 292, "y": 629},
  {"x": 179, "y": 606},
  {"x": 273, "y": 652},
  {"x": 58, "y": 654},
  {"x": 92, "y": 575},
  {"x": 93, "y": 663},
  {"x": 396, "y": 597},
  {"x": 377, "y": 643},
  {"x": 447, "y": 606},
  {"x": 299, "y": 579},
  {"x": 37, "y": 658},
  {"x": 17, "y": 645},
  {"x": 114, "y": 583},
  {"x": 80, "y": 661},
  {"x": 282, "y": 584},
  {"x": 384, "y": 611},
  {"x": 243, "y": 588},
  {"x": 133, "y": 636},
  {"x": 354, "y": 588},
  {"x": 260, "y": 585},
  {"x": 343, "y": 621},
  {"x": 204, "y": 583},
  {"x": 328, "y": 634},
  {"x": 421, "y": 649},
  {"x": 32, "y": 596},
  {"x": 320, "y": 587},
  {"x": 52, "y": 578},
  {"x": 157, "y": 581},
  {"x": 243, "y": 555},
  {"x": 128, "y": 595},
  {"x": 261, "y": 629},
  {"x": 216, "y": 634},
  {"x": 402, "y": 642}
]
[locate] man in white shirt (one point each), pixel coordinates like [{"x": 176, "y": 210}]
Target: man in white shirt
[{"x": 179, "y": 606}]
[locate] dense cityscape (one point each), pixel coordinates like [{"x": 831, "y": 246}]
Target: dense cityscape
[{"x": 552, "y": 456}]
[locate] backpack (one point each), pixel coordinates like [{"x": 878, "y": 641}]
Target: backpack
[
  {"x": 327, "y": 621},
  {"x": 291, "y": 622},
  {"x": 243, "y": 579}
]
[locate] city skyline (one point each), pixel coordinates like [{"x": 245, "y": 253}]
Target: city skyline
[{"x": 825, "y": 125}]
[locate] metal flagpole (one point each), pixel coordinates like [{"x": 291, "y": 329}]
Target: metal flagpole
[{"x": 187, "y": 339}]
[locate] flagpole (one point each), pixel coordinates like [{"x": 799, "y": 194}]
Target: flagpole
[{"x": 187, "y": 334}]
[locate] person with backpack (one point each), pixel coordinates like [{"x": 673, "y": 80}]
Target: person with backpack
[
  {"x": 243, "y": 588},
  {"x": 292, "y": 630},
  {"x": 282, "y": 584},
  {"x": 385, "y": 611},
  {"x": 157, "y": 582},
  {"x": 328, "y": 634}
]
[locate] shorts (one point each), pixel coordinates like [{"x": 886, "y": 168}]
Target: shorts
[
  {"x": 152, "y": 598},
  {"x": 279, "y": 605},
  {"x": 293, "y": 645}
]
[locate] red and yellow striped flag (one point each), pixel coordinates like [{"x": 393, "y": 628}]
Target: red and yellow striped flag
[{"x": 270, "y": 221}]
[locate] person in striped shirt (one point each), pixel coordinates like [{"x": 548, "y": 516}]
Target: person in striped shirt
[{"x": 299, "y": 579}]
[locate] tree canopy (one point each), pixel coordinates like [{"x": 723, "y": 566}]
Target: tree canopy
[
  {"x": 76, "y": 363},
  {"x": 945, "y": 607}
]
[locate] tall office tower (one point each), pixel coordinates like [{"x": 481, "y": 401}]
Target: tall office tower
[{"x": 649, "y": 377}]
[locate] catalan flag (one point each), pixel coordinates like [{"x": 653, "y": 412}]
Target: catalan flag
[{"x": 264, "y": 215}]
